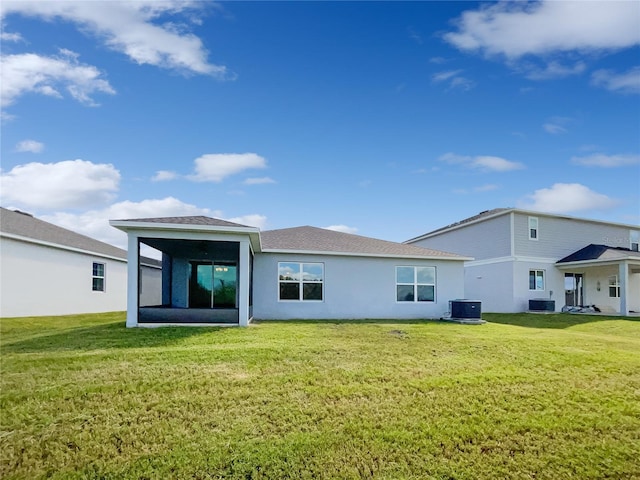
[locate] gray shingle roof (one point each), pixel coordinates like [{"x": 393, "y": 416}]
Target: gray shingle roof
[
  {"x": 25, "y": 225},
  {"x": 193, "y": 220},
  {"x": 313, "y": 239}
]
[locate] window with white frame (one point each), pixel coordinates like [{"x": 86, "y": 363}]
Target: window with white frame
[
  {"x": 533, "y": 228},
  {"x": 98, "y": 277},
  {"x": 300, "y": 281},
  {"x": 634, "y": 240},
  {"x": 536, "y": 279},
  {"x": 415, "y": 284},
  {"x": 614, "y": 286}
]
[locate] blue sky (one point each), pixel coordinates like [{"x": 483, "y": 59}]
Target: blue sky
[{"x": 386, "y": 119}]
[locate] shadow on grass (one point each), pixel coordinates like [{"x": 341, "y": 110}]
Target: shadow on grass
[
  {"x": 548, "y": 320},
  {"x": 104, "y": 336},
  {"x": 354, "y": 321}
]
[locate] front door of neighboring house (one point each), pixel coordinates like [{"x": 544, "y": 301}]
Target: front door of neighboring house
[
  {"x": 573, "y": 289},
  {"x": 212, "y": 285}
]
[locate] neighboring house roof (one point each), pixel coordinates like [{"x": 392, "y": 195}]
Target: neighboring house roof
[
  {"x": 319, "y": 240},
  {"x": 192, "y": 220},
  {"x": 14, "y": 223},
  {"x": 599, "y": 252},
  {"x": 496, "y": 212}
]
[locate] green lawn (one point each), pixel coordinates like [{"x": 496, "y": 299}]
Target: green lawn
[{"x": 522, "y": 397}]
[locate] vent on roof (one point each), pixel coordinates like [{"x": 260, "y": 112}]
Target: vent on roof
[{"x": 24, "y": 213}]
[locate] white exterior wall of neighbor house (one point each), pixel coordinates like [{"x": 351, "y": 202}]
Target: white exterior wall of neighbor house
[
  {"x": 354, "y": 287},
  {"x": 489, "y": 239},
  {"x": 39, "y": 280}
]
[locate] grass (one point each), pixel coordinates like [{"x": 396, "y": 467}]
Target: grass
[{"x": 522, "y": 397}]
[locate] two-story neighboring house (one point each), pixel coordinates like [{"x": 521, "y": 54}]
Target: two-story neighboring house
[{"x": 520, "y": 255}]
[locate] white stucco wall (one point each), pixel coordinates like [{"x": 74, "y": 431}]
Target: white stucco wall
[
  {"x": 492, "y": 284},
  {"x": 354, "y": 287},
  {"x": 40, "y": 280}
]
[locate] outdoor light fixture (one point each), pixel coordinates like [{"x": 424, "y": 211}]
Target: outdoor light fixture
[{"x": 598, "y": 285}]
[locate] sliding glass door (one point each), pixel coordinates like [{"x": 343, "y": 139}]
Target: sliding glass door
[{"x": 212, "y": 285}]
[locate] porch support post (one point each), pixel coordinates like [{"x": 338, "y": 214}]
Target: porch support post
[
  {"x": 133, "y": 262},
  {"x": 243, "y": 279},
  {"x": 623, "y": 276}
]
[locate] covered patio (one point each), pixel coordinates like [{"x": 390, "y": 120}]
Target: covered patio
[
  {"x": 607, "y": 277},
  {"x": 207, "y": 270}
]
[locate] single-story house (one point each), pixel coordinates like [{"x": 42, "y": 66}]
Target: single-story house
[
  {"x": 219, "y": 272},
  {"x": 49, "y": 270}
]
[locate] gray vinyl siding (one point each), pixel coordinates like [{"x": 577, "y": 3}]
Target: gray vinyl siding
[
  {"x": 487, "y": 239},
  {"x": 559, "y": 237}
]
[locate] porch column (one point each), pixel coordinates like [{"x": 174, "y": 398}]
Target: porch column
[
  {"x": 133, "y": 262},
  {"x": 243, "y": 279},
  {"x": 623, "y": 276}
]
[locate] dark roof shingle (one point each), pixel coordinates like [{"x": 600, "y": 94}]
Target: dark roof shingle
[
  {"x": 188, "y": 220},
  {"x": 314, "y": 239},
  {"x": 25, "y": 225},
  {"x": 594, "y": 252}
]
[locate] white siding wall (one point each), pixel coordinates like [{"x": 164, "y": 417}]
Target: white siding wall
[
  {"x": 354, "y": 287},
  {"x": 492, "y": 284},
  {"x": 488, "y": 239},
  {"x": 37, "y": 280},
  {"x": 559, "y": 237}
]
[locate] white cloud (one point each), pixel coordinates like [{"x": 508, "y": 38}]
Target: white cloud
[
  {"x": 607, "y": 161},
  {"x": 554, "y": 128},
  {"x": 482, "y": 162},
  {"x": 565, "y": 198},
  {"x": 515, "y": 29},
  {"x": 32, "y": 73},
  {"x": 30, "y": 146},
  {"x": 553, "y": 69},
  {"x": 10, "y": 37},
  {"x": 95, "y": 223},
  {"x": 163, "y": 176},
  {"x": 446, "y": 75},
  {"x": 453, "y": 79},
  {"x": 557, "y": 125},
  {"x": 341, "y": 228},
  {"x": 258, "y": 181},
  {"x": 251, "y": 220},
  {"x": 628, "y": 82},
  {"x": 496, "y": 164},
  {"x": 132, "y": 28},
  {"x": 66, "y": 184},
  {"x": 214, "y": 167}
]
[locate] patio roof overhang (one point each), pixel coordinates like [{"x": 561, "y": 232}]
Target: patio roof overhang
[{"x": 179, "y": 230}]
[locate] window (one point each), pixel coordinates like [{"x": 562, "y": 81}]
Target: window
[
  {"x": 533, "y": 228},
  {"x": 614, "y": 286},
  {"x": 536, "y": 279},
  {"x": 98, "y": 277},
  {"x": 634, "y": 239},
  {"x": 415, "y": 284},
  {"x": 300, "y": 281}
]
